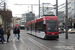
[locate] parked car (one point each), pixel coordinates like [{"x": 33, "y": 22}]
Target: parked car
[
  {"x": 71, "y": 30},
  {"x": 61, "y": 30}
]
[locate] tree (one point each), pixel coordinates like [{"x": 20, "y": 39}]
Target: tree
[{"x": 7, "y": 14}]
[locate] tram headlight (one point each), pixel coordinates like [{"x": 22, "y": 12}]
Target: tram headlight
[{"x": 52, "y": 33}]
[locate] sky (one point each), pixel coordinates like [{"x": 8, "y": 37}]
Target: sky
[{"x": 17, "y": 10}]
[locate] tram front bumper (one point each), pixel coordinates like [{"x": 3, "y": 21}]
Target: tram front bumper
[{"x": 53, "y": 36}]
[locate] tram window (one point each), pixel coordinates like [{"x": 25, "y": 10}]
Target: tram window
[
  {"x": 30, "y": 27},
  {"x": 44, "y": 22},
  {"x": 44, "y": 27},
  {"x": 40, "y": 26},
  {"x": 52, "y": 26},
  {"x": 33, "y": 26}
]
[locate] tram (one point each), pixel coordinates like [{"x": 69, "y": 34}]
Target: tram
[{"x": 45, "y": 27}]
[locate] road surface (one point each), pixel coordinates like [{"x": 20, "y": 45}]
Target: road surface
[{"x": 29, "y": 42}]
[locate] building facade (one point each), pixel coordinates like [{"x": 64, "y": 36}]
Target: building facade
[
  {"x": 27, "y": 17},
  {"x": 46, "y": 9},
  {"x": 71, "y": 13},
  {"x": 18, "y": 21}
]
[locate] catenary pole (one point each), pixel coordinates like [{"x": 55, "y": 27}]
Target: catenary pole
[
  {"x": 56, "y": 7},
  {"x": 5, "y": 17},
  {"x": 66, "y": 19},
  {"x": 39, "y": 8}
]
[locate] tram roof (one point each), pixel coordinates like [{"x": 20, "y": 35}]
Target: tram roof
[{"x": 47, "y": 17}]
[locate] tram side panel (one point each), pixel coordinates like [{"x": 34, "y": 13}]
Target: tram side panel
[{"x": 33, "y": 28}]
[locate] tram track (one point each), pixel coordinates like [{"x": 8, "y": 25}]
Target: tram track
[
  {"x": 44, "y": 46},
  {"x": 39, "y": 44},
  {"x": 36, "y": 43},
  {"x": 27, "y": 47}
]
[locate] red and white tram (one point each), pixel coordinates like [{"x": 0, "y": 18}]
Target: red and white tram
[{"x": 45, "y": 27}]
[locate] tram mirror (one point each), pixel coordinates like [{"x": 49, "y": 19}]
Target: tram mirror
[{"x": 43, "y": 22}]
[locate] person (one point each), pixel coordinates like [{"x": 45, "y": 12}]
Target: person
[
  {"x": 15, "y": 33},
  {"x": 18, "y": 31},
  {"x": 2, "y": 35},
  {"x": 8, "y": 34}
]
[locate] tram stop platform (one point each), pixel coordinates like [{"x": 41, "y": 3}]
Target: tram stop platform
[{"x": 13, "y": 45}]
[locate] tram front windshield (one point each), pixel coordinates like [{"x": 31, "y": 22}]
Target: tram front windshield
[{"x": 52, "y": 26}]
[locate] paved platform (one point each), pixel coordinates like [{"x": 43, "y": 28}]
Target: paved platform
[{"x": 13, "y": 45}]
